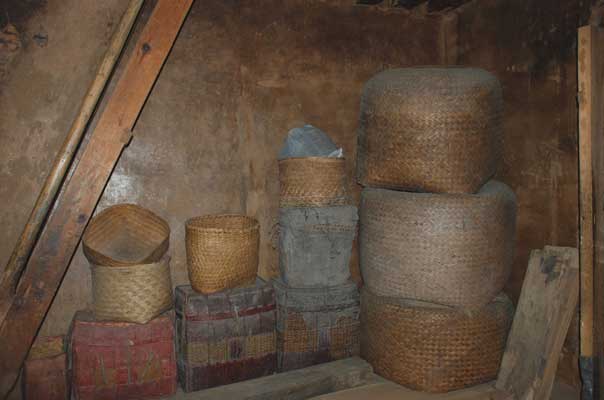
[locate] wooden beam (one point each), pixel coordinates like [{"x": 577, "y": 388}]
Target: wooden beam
[
  {"x": 76, "y": 202},
  {"x": 547, "y": 303}
]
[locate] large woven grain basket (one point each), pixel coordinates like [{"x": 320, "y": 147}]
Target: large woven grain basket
[
  {"x": 449, "y": 249},
  {"x": 430, "y": 129},
  {"x": 222, "y": 251},
  {"x": 136, "y": 293},
  {"x": 126, "y": 234},
  {"x": 313, "y": 181},
  {"x": 433, "y": 348}
]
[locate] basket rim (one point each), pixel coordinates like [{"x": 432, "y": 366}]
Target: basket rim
[
  {"x": 313, "y": 158},
  {"x": 165, "y": 260},
  {"x": 192, "y": 223}
]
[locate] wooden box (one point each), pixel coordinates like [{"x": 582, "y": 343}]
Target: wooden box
[
  {"x": 121, "y": 360},
  {"x": 225, "y": 337},
  {"x": 45, "y": 374}
]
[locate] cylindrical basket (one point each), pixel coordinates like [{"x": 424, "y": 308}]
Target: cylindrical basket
[
  {"x": 449, "y": 249},
  {"x": 313, "y": 181},
  {"x": 136, "y": 293},
  {"x": 126, "y": 234},
  {"x": 434, "y": 348},
  {"x": 222, "y": 251},
  {"x": 430, "y": 129}
]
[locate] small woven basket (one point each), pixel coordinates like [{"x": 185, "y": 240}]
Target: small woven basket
[
  {"x": 434, "y": 348},
  {"x": 126, "y": 234},
  {"x": 136, "y": 293},
  {"x": 222, "y": 251},
  {"x": 313, "y": 181}
]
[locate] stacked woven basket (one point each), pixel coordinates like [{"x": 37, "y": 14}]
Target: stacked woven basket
[
  {"x": 317, "y": 304},
  {"x": 436, "y": 232}
]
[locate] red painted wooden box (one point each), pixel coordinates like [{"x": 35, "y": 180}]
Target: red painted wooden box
[
  {"x": 45, "y": 371},
  {"x": 120, "y": 360},
  {"x": 225, "y": 337}
]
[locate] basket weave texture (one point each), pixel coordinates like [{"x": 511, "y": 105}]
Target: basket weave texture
[
  {"x": 313, "y": 181},
  {"x": 126, "y": 234},
  {"x": 222, "y": 251},
  {"x": 434, "y": 348},
  {"x": 430, "y": 129},
  {"x": 449, "y": 249},
  {"x": 136, "y": 293}
]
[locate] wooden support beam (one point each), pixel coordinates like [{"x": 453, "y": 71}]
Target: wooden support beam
[{"x": 76, "y": 202}]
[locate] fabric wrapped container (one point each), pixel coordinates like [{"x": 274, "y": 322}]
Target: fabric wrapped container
[{"x": 449, "y": 249}]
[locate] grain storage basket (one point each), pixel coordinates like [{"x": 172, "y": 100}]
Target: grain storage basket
[
  {"x": 222, "y": 251},
  {"x": 316, "y": 325},
  {"x": 315, "y": 245},
  {"x": 126, "y": 234},
  {"x": 434, "y": 348},
  {"x": 430, "y": 129},
  {"x": 136, "y": 293},
  {"x": 313, "y": 182},
  {"x": 450, "y": 249}
]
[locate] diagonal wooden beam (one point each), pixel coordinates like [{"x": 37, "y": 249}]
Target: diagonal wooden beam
[{"x": 76, "y": 202}]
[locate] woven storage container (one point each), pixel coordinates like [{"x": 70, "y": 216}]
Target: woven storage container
[
  {"x": 430, "y": 129},
  {"x": 315, "y": 245},
  {"x": 120, "y": 360},
  {"x": 313, "y": 182},
  {"x": 45, "y": 374},
  {"x": 316, "y": 325},
  {"x": 434, "y": 348},
  {"x": 126, "y": 234},
  {"x": 225, "y": 337},
  {"x": 136, "y": 293},
  {"x": 222, "y": 251},
  {"x": 450, "y": 249}
]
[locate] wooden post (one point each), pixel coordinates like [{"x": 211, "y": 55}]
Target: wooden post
[{"x": 76, "y": 202}]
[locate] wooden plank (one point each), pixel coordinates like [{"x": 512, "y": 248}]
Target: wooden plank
[
  {"x": 546, "y": 306},
  {"x": 76, "y": 202}
]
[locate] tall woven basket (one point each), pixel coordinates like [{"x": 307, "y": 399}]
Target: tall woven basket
[
  {"x": 433, "y": 348},
  {"x": 222, "y": 251},
  {"x": 430, "y": 129},
  {"x": 136, "y": 293},
  {"x": 126, "y": 234},
  {"x": 449, "y": 249},
  {"x": 313, "y": 181}
]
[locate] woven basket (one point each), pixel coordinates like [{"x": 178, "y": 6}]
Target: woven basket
[
  {"x": 222, "y": 251},
  {"x": 135, "y": 293},
  {"x": 430, "y": 129},
  {"x": 313, "y": 181},
  {"x": 433, "y": 348},
  {"x": 450, "y": 249},
  {"x": 126, "y": 234}
]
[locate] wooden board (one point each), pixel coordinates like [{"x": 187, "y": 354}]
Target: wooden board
[
  {"x": 80, "y": 194},
  {"x": 547, "y": 302}
]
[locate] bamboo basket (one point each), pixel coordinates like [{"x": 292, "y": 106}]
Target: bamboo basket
[
  {"x": 222, "y": 251},
  {"x": 126, "y": 234},
  {"x": 434, "y": 348},
  {"x": 136, "y": 293},
  {"x": 313, "y": 182}
]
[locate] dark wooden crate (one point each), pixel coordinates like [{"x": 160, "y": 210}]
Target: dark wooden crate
[
  {"x": 225, "y": 337},
  {"x": 45, "y": 373}
]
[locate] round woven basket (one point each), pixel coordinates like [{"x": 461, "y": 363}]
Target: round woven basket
[
  {"x": 313, "y": 181},
  {"x": 126, "y": 234},
  {"x": 430, "y": 129},
  {"x": 433, "y": 348},
  {"x": 449, "y": 249},
  {"x": 136, "y": 293},
  {"x": 222, "y": 251}
]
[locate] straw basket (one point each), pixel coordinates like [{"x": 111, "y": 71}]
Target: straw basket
[
  {"x": 430, "y": 129},
  {"x": 222, "y": 251},
  {"x": 450, "y": 249},
  {"x": 433, "y": 348},
  {"x": 313, "y": 181},
  {"x": 126, "y": 234},
  {"x": 136, "y": 293}
]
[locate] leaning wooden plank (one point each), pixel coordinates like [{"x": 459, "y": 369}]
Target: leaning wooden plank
[
  {"x": 74, "y": 206},
  {"x": 546, "y": 306}
]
